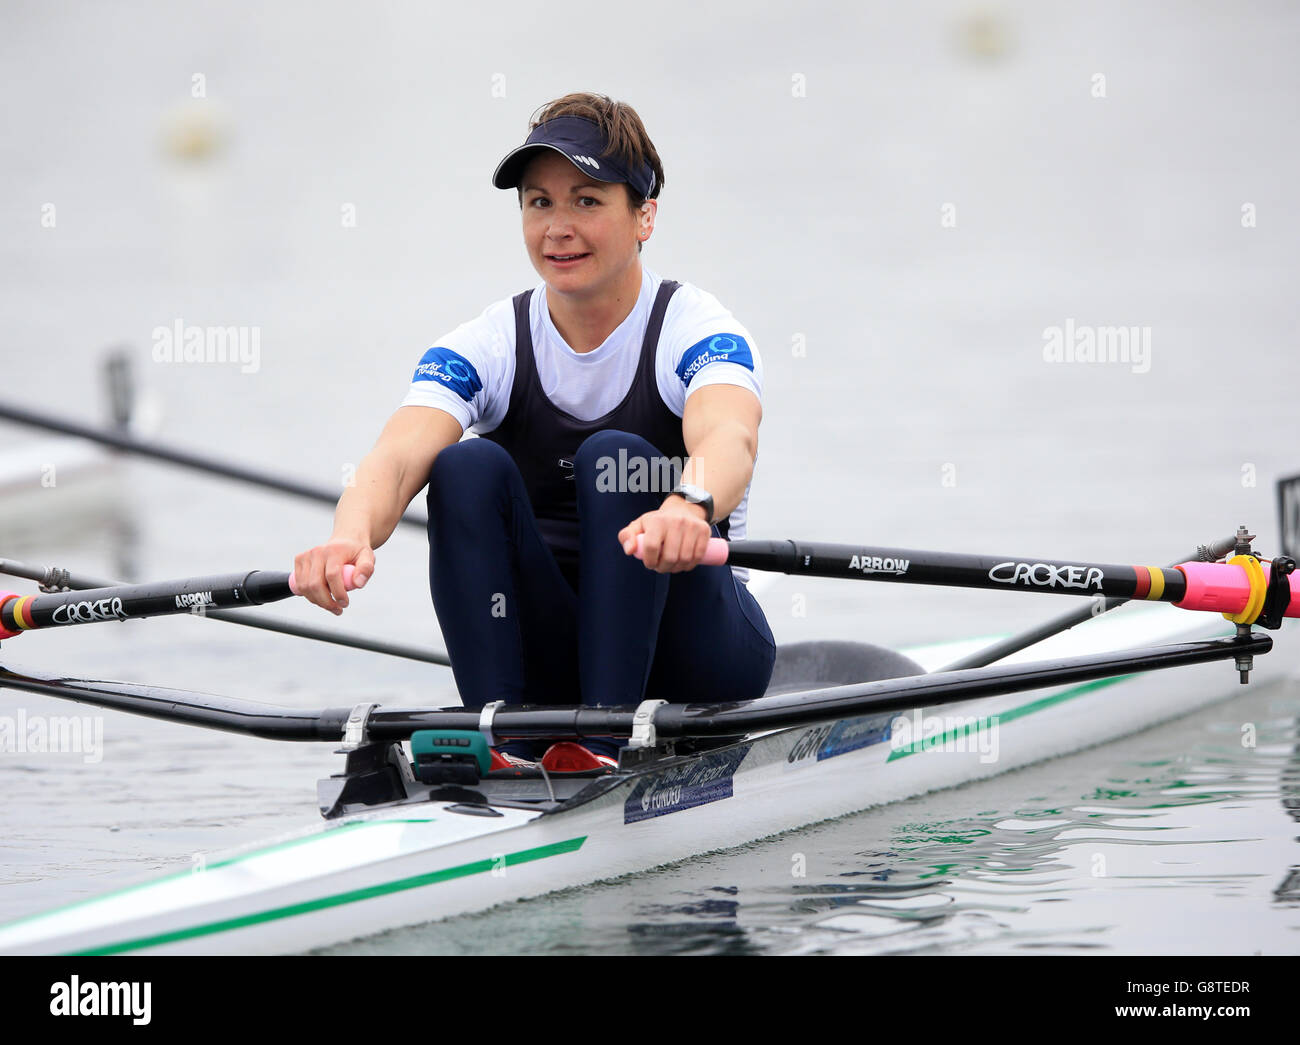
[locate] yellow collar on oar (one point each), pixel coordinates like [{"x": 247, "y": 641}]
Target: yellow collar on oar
[{"x": 1258, "y": 589}]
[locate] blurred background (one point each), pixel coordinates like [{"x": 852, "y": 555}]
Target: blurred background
[
  {"x": 898, "y": 203},
  {"x": 906, "y": 205}
]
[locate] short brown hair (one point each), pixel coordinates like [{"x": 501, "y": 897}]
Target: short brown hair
[{"x": 620, "y": 125}]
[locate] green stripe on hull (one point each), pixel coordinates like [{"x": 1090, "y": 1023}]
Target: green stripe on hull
[
  {"x": 415, "y": 882},
  {"x": 1006, "y": 716},
  {"x": 253, "y": 854}
]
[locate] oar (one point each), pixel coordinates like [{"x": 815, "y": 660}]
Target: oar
[
  {"x": 122, "y": 440},
  {"x": 1015, "y": 643},
  {"x": 21, "y": 613},
  {"x": 667, "y": 720},
  {"x": 1240, "y": 590},
  {"x": 54, "y": 578}
]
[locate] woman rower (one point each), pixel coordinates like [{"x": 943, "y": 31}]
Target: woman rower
[{"x": 612, "y": 405}]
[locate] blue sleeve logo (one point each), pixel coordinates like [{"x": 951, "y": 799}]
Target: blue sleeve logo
[
  {"x": 721, "y": 348},
  {"x": 452, "y": 369}
]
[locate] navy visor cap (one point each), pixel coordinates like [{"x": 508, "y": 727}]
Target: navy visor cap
[{"x": 580, "y": 142}]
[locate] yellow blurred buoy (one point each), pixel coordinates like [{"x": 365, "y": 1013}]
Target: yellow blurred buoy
[
  {"x": 985, "y": 33},
  {"x": 195, "y": 130}
]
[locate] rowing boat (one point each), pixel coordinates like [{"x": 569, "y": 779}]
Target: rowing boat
[{"x": 415, "y": 828}]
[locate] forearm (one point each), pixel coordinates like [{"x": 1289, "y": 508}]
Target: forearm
[
  {"x": 371, "y": 507},
  {"x": 723, "y": 464},
  {"x": 393, "y": 473}
]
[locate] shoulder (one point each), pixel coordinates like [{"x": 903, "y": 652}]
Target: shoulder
[
  {"x": 694, "y": 305},
  {"x": 487, "y": 327},
  {"x": 468, "y": 370},
  {"x": 467, "y": 349},
  {"x": 699, "y": 330}
]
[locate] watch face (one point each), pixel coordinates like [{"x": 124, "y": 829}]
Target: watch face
[{"x": 693, "y": 493}]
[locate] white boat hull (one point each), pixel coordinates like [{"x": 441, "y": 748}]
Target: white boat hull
[{"x": 408, "y": 864}]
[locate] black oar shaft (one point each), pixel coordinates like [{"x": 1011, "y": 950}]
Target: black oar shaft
[
  {"x": 953, "y": 569},
  {"x": 671, "y": 720},
  {"x": 398, "y": 723},
  {"x": 949, "y": 687},
  {"x": 1015, "y": 643},
  {"x": 247, "y": 717},
  {"x": 995, "y": 652},
  {"x": 132, "y": 601},
  {"x": 51, "y": 577},
  {"x": 120, "y": 440}
]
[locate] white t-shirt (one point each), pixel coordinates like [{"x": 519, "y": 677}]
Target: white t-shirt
[{"x": 469, "y": 372}]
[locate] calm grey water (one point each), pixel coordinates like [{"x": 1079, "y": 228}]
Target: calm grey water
[{"x": 900, "y": 204}]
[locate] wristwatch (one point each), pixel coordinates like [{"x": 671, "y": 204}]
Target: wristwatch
[{"x": 695, "y": 495}]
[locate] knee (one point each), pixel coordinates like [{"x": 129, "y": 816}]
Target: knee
[
  {"x": 613, "y": 449},
  {"x": 608, "y": 443},
  {"x": 467, "y": 466}
]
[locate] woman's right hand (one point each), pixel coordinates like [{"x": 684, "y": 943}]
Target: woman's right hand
[{"x": 318, "y": 573}]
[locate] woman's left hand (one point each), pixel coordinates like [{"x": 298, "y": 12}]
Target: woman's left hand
[{"x": 676, "y": 536}]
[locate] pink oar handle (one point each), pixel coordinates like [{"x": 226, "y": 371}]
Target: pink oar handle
[
  {"x": 348, "y": 571},
  {"x": 715, "y": 555},
  {"x": 1225, "y": 588}
]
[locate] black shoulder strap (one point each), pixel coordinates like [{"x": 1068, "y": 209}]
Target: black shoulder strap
[
  {"x": 525, "y": 363},
  {"x": 657, "y": 312}
]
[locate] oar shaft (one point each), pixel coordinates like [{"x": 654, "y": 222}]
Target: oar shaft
[
  {"x": 232, "y": 715},
  {"x": 131, "y": 601},
  {"x": 670, "y": 720},
  {"x": 935, "y": 689},
  {"x": 1065, "y": 621},
  {"x": 54, "y": 578},
  {"x": 127, "y": 443},
  {"x": 951, "y": 569},
  {"x": 1227, "y": 588}
]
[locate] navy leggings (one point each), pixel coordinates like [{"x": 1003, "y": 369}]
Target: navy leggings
[{"x": 518, "y": 631}]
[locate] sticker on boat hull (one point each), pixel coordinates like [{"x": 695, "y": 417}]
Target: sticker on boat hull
[
  {"x": 839, "y": 738},
  {"x": 708, "y": 779},
  {"x": 852, "y": 734}
]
